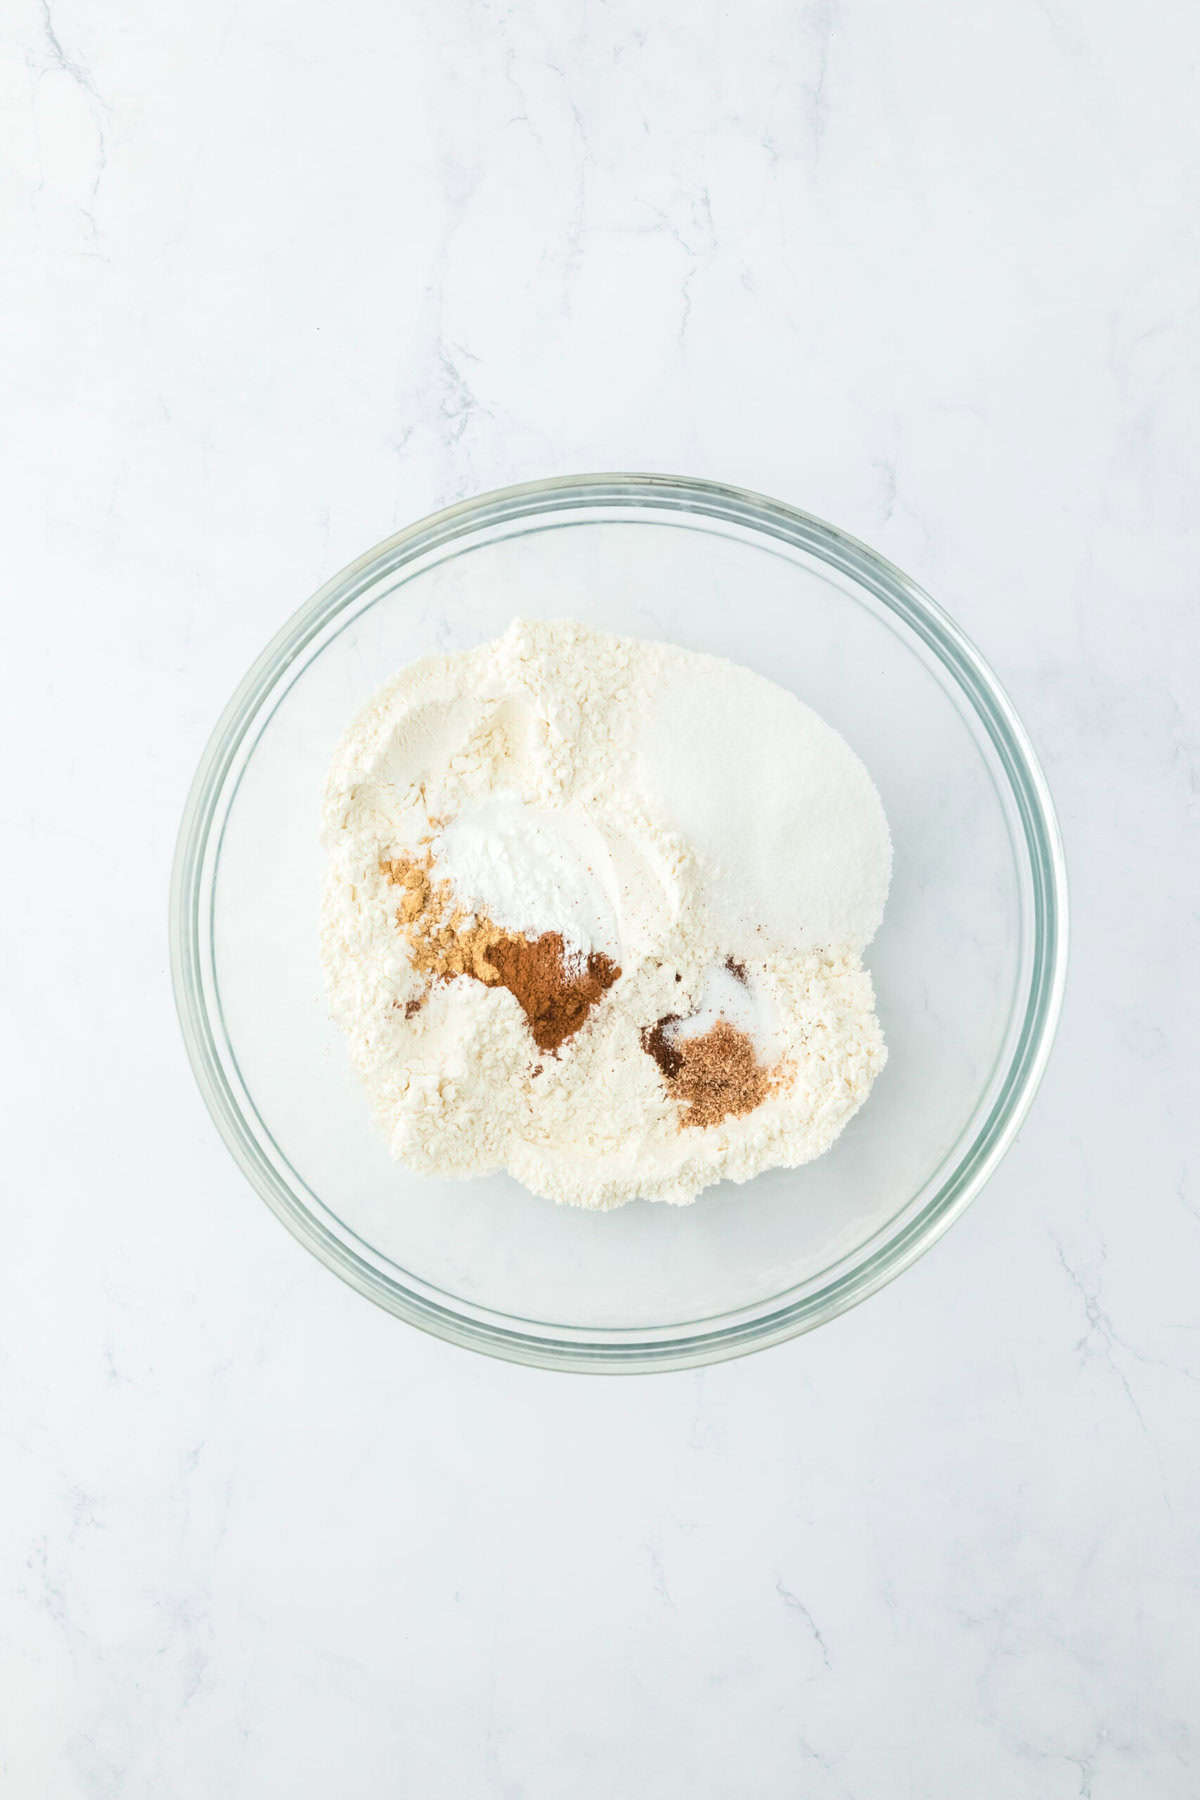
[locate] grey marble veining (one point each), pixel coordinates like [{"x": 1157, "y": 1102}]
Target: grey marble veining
[{"x": 279, "y": 279}]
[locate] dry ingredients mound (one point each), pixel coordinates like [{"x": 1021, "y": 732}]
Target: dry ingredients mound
[{"x": 594, "y": 913}]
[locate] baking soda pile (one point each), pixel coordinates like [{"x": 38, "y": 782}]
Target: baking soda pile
[{"x": 594, "y": 912}]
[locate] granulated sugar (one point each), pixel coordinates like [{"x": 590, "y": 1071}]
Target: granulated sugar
[
  {"x": 567, "y": 937},
  {"x": 781, "y": 811}
]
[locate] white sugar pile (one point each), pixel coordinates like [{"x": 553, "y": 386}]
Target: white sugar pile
[{"x": 781, "y": 810}]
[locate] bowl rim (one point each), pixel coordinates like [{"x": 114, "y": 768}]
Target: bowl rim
[{"x": 636, "y": 1349}]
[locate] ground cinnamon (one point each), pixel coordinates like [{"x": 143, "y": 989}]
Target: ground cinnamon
[{"x": 556, "y": 991}]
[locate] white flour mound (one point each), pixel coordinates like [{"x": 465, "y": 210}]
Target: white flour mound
[{"x": 669, "y": 809}]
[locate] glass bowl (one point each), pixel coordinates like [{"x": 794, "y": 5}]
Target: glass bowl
[{"x": 968, "y": 965}]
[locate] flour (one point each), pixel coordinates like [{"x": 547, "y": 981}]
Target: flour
[{"x": 562, "y": 780}]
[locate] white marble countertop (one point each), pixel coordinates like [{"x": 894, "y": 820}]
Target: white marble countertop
[{"x": 280, "y": 278}]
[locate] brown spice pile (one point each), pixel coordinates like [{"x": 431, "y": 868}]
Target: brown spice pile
[
  {"x": 444, "y": 939},
  {"x": 555, "y": 992},
  {"x": 714, "y": 1077}
]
